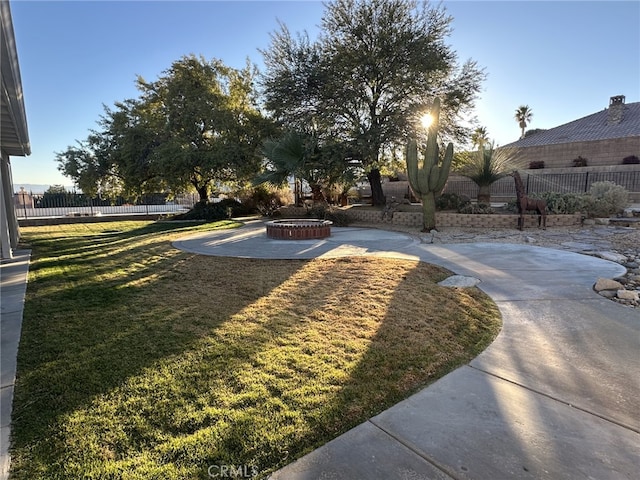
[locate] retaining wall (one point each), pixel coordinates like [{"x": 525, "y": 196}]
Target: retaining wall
[
  {"x": 494, "y": 221},
  {"x": 446, "y": 219}
]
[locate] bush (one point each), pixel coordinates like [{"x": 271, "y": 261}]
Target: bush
[
  {"x": 209, "y": 212},
  {"x": 579, "y": 162},
  {"x": 263, "y": 199},
  {"x": 631, "y": 160},
  {"x": 338, "y": 217},
  {"x": 511, "y": 206},
  {"x": 234, "y": 208},
  {"x": 451, "y": 201},
  {"x": 536, "y": 165},
  {"x": 562, "y": 203},
  {"x": 605, "y": 199},
  {"x": 476, "y": 208}
]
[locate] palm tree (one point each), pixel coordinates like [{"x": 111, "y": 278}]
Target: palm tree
[
  {"x": 479, "y": 137},
  {"x": 486, "y": 167},
  {"x": 299, "y": 155},
  {"x": 523, "y": 117}
]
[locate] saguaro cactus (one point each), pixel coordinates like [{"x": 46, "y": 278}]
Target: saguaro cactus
[{"x": 428, "y": 180}]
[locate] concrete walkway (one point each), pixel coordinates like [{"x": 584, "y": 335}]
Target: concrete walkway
[
  {"x": 13, "y": 286},
  {"x": 556, "y": 395}
]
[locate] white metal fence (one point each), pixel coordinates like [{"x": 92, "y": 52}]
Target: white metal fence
[{"x": 73, "y": 205}]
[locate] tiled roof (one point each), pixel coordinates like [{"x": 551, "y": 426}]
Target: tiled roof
[{"x": 587, "y": 129}]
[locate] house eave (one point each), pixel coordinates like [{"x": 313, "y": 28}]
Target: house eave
[{"x": 14, "y": 133}]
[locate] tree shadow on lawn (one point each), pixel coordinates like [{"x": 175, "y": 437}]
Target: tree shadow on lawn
[
  {"x": 131, "y": 387},
  {"x": 99, "y": 242},
  {"x": 83, "y": 338},
  {"x": 304, "y": 383}
]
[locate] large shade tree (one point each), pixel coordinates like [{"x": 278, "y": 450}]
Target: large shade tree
[
  {"x": 368, "y": 77},
  {"x": 91, "y": 173},
  {"x": 212, "y": 127},
  {"x": 196, "y": 126},
  {"x": 117, "y": 158}
]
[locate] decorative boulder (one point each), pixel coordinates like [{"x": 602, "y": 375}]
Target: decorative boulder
[{"x": 607, "y": 284}]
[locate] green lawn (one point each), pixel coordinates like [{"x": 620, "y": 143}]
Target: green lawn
[{"x": 139, "y": 361}]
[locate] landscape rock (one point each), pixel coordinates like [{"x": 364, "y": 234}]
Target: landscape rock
[
  {"x": 579, "y": 246},
  {"x": 608, "y": 293},
  {"x": 459, "y": 281},
  {"x": 607, "y": 284},
  {"x": 612, "y": 256},
  {"x": 628, "y": 295}
]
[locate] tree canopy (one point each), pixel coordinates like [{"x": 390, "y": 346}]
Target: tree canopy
[
  {"x": 368, "y": 77},
  {"x": 358, "y": 90},
  {"x": 196, "y": 126}
]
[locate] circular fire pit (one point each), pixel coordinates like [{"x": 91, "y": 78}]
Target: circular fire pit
[{"x": 298, "y": 229}]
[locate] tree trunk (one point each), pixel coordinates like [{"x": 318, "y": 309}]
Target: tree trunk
[
  {"x": 317, "y": 195},
  {"x": 203, "y": 191},
  {"x": 377, "y": 195},
  {"x": 428, "y": 212},
  {"x": 297, "y": 197},
  {"x": 484, "y": 194}
]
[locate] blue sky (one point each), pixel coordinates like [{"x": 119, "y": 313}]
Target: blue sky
[{"x": 563, "y": 59}]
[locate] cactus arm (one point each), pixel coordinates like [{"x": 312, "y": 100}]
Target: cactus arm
[
  {"x": 439, "y": 174},
  {"x": 412, "y": 165}
]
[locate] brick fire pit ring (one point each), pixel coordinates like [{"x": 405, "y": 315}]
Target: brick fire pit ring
[{"x": 298, "y": 229}]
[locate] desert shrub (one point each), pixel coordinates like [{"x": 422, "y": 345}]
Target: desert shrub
[
  {"x": 263, "y": 199},
  {"x": 631, "y": 160},
  {"x": 451, "y": 201},
  {"x": 338, "y": 217},
  {"x": 537, "y": 164},
  {"x": 476, "y": 208},
  {"x": 317, "y": 211},
  {"x": 579, "y": 162},
  {"x": 209, "y": 212},
  {"x": 605, "y": 199},
  {"x": 562, "y": 203},
  {"x": 511, "y": 206},
  {"x": 487, "y": 166},
  {"x": 235, "y": 208}
]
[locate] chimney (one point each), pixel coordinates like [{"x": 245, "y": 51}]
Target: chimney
[{"x": 616, "y": 109}]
